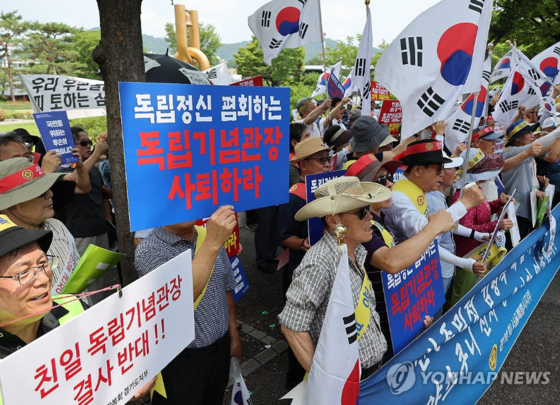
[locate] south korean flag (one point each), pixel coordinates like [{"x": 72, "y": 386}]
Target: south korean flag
[
  {"x": 362, "y": 66},
  {"x": 429, "y": 66},
  {"x": 283, "y": 24}
]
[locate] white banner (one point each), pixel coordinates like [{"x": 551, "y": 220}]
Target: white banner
[
  {"x": 79, "y": 97},
  {"x": 219, "y": 74},
  {"x": 109, "y": 352}
]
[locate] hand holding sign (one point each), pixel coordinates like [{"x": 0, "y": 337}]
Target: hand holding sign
[
  {"x": 220, "y": 225},
  {"x": 51, "y": 161}
]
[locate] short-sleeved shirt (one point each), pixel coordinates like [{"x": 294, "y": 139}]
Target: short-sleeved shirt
[
  {"x": 308, "y": 297},
  {"x": 313, "y": 129},
  {"x": 521, "y": 178},
  {"x": 436, "y": 202},
  {"x": 85, "y": 215},
  {"x": 289, "y": 227},
  {"x": 63, "y": 246},
  {"x": 211, "y": 317}
]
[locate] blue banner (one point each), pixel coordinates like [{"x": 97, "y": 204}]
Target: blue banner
[
  {"x": 334, "y": 87},
  {"x": 190, "y": 149},
  {"x": 412, "y": 294},
  {"x": 457, "y": 359},
  {"x": 54, "y": 128},
  {"x": 312, "y": 183},
  {"x": 241, "y": 280}
]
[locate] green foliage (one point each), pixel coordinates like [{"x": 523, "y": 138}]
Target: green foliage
[
  {"x": 345, "y": 52},
  {"x": 532, "y": 23},
  {"x": 29, "y": 126},
  {"x": 209, "y": 41},
  {"x": 94, "y": 126},
  {"x": 85, "y": 42},
  {"x": 286, "y": 68},
  {"x": 382, "y": 46},
  {"x": 171, "y": 38},
  {"x": 19, "y": 114}
]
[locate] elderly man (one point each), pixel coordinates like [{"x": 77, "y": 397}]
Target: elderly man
[
  {"x": 312, "y": 155},
  {"x": 335, "y": 116},
  {"x": 309, "y": 113},
  {"x": 408, "y": 214},
  {"x": 25, "y": 290},
  {"x": 343, "y": 201},
  {"x": 26, "y": 198},
  {"x": 199, "y": 374}
]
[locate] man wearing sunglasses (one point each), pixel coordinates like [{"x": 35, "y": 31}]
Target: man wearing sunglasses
[
  {"x": 408, "y": 213},
  {"x": 312, "y": 155}
]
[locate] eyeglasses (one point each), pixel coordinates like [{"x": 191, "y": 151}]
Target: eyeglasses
[
  {"x": 322, "y": 160},
  {"x": 85, "y": 143},
  {"x": 492, "y": 141},
  {"x": 439, "y": 168},
  {"x": 30, "y": 275},
  {"x": 384, "y": 178},
  {"x": 362, "y": 213}
]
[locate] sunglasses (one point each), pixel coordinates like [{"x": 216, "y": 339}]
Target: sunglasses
[
  {"x": 362, "y": 213},
  {"x": 85, "y": 143},
  {"x": 439, "y": 168},
  {"x": 323, "y": 160},
  {"x": 384, "y": 178}
]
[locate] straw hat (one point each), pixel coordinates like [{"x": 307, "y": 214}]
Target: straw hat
[
  {"x": 480, "y": 167},
  {"x": 308, "y": 147},
  {"x": 21, "y": 180},
  {"x": 340, "y": 195}
]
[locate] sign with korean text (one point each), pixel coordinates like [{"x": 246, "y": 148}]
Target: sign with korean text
[
  {"x": 378, "y": 92},
  {"x": 335, "y": 89},
  {"x": 312, "y": 183},
  {"x": 94, "y": 263},
  {"x": 232, "y": 245},
  {"x": 80, "y": 97},
  {"x": 190, "y": 149},
  {"x": 256, "y": 81},
  {"x": 458, "y": 358},
  {"x": 391, "y": 115},
  {"x": 54, "y": 128},
  {"x": 412, "y": 294},
  {"x": 241, "y": 280},
  {"x": 106, "y": 354}
]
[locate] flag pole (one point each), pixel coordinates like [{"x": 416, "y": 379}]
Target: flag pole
[
  {"x": 466, "y": 162},
  {"x": 322, "y": 44}
]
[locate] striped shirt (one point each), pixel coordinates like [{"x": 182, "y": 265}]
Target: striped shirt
[
  {"x": 211, "y": 317},
  {"x": 63, "y": 246},
  {"x": 309, "y": 293}
]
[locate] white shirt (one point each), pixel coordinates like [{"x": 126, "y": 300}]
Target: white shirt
[
  {"x": 313, "y": 129},
  {"x": 334, "y": 122}
]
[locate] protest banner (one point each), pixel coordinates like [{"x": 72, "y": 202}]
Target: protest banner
[
  {"x": 241, "y": 280},
  {"x": 106, "y": 354},
  {"x": 514, "y": 231},
  {"x": 457, "y": 359},
  {"x": 232, "y": 244},
  {"x": 190, "y": 149},
  {"x": 391, "y": 115},
  {"x": 312, "y": 183},
  {"x": 335, "y": 89},
  {"x": 411, "y": 294},
  {"x": 95, "y": 262},
  {"x": 54, "y": 128},
  {"x": 256, "y": 81},
  {"x": 79, "y": 97},
  {"x": 378, "y": 92}
]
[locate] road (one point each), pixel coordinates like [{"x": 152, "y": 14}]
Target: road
[{"x": 265, "y": 359}]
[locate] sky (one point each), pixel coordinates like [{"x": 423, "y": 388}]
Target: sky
[{"x": 341, "y": 18}]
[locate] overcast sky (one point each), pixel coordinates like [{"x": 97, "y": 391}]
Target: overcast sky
[{"x": 341, "y": 18}]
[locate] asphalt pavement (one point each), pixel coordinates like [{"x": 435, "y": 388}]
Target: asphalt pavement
[{"x": 265, "y": 359}]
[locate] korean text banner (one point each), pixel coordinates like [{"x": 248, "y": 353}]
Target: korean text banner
[
  {"x": 391, "y": 115},
  {"x": 79, "y": 97},
  {"x": 412, "y": 294},
  {"x": 190, "y": 149},
  {"x": 54, "y": 128},
  {"x": 110, "y": 351},
  {"x": 457, "y": 359}
]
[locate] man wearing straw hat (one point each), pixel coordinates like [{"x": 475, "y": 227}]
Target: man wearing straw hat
[{"x": 342, "y": 201}]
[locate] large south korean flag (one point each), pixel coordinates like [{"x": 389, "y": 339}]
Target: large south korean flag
[{"x": 435, "y": 60}]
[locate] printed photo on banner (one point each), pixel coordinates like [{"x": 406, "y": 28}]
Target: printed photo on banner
[
  {"x": 412, "y": 294},
  {"x": 391, "y": 115},
  {"x": 312, "y": 183},
  {"x": 54, "y": 128},
  {"x": 111, "y": 350},
  {"x": 190, "y": 149}
]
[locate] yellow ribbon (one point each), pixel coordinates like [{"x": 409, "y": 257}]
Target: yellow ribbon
[
  {"x": 414, "y": 193},
  {"x": 387, "y": 237}
]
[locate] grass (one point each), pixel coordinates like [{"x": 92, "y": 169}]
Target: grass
[
  {"x": 7, "y": 105},
  {"x": 28, "y": 125}
]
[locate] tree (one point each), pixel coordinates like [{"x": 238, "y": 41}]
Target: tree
[
  {"x": 383, "y": 45},
  {"x": 11, "y": 30},
  {"x": 51, "y": 47},
  {"x": 286, "y": 68},
  {"x": 345, "y": 52},
  {"x": 209, "y": 41},
  {"x": 119, "y": 55},
  {"x": 532, "y": 23},
  {"x": 84, "y": 43}
]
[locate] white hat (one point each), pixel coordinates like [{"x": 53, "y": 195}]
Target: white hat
[
  {"x": 550, "y": 122},
  {"x": 455, "y": 162},
  {"x": 342, "y": 194}
]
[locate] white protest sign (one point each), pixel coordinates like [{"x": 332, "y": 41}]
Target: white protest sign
[
  {"x": 514, "y": 231},
  {"x": 109, "y": 352},
  {"x": 79, "y": 97}
]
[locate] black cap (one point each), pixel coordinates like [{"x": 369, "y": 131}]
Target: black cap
[{"x": 13, "y": 237}]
